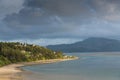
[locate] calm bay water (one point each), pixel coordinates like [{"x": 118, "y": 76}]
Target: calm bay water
[{"x": 90, "y": 66}]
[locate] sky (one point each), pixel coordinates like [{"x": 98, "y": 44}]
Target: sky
[{"x": 47, "y": 22}]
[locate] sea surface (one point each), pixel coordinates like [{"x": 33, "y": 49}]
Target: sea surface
[{"x": 89, "y": 66}]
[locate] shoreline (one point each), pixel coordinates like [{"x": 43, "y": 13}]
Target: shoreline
[{"x": 15, "y": 72}]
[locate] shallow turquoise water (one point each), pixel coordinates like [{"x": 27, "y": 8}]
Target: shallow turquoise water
[{"x": 90, "y": 66}]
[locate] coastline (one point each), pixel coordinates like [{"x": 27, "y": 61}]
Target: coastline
[{"x": 15, "y": 72}]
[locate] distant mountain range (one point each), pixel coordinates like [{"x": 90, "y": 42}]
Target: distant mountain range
[{"x": 89, "y": 45}]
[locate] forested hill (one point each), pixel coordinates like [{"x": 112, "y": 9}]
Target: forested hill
[
  {"x": 92, "y": 44},
  {"x": 13, "y": 52}
]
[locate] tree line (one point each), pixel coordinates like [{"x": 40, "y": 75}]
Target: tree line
[{"x": 14, "y": 52}]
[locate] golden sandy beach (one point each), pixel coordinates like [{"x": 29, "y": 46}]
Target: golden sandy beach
[
  {"x": 14, "y": 72},
  {"x": 10, "y": 72}
]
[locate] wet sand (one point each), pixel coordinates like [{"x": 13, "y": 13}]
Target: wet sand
[{"x": 14, "y": 72}]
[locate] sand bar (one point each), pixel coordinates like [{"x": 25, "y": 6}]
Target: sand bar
[{"x": 14, "y": 72}]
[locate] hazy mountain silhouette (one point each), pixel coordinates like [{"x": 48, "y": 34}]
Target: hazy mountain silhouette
[{"x": 89, "y": 45}]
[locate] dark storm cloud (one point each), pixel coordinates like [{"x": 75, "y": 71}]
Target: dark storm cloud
[
  {"x": 60, "y": 7},
  {"x": 38, "y": 12},
  {"x": 107, "y": 9},
  {"x": 64, "y": 18}
]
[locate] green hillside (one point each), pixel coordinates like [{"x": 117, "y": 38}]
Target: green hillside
[{"x": 14, "y": 52}]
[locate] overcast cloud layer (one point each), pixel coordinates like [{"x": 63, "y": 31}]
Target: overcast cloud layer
[{"x": 36, "y": 19}]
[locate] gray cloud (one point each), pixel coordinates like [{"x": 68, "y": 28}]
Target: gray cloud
[
  {"x": 9, "y": 7},
  {"x": 62, "y": 19},
  {"x": 107, "y": 9},
  {"x": 60, "y": 7}
]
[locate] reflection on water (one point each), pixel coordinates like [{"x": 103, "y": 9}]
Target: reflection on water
[{"x": 90, "y": 66}]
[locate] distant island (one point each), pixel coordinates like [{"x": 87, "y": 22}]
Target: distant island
[
  {"x": 93, "y": 44},
  {"x": 14, "y": 52}
]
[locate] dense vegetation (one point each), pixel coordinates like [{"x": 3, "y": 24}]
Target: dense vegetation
[{"x": 13, "y": 52}]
